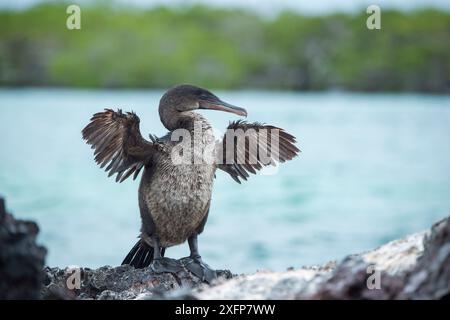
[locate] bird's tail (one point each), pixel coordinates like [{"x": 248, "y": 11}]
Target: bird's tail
[{"x": 140, "y": 256}]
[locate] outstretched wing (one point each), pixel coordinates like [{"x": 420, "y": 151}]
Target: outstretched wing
[
  {"x": 248, "y": 147},
  {"x": 117, "y": 143}
]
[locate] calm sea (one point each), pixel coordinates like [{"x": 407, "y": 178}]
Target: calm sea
[{"x": 373, "y": 167}]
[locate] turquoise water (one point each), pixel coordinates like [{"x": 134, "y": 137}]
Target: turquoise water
[{"x": 372, "y": 168}]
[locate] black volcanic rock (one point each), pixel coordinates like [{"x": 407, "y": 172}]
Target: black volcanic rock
[
  {"x": 414, "y": 267},
  {"x": 430, "y": 279},
  {"x": 123, "y": 282},
  {"x": 21, "y": 259}
]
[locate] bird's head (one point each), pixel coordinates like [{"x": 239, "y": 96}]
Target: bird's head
[{"x": 184, "y": 98}]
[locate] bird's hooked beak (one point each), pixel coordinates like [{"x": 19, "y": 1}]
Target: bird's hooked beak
[{"x": 217, "y": 104}]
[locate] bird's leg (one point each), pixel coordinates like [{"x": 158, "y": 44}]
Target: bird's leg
[
  {"x": 195, "y": 263},
  {"x": 193, "y": 247},
  {"x": 161, "y": 264}
]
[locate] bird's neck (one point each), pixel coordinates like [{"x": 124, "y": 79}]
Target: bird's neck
[
  {"x": 188, "y": 120},
  {"x": 192, "y": 120}
]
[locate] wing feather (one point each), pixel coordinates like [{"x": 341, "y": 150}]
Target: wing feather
[
  {"x": 118, "y": 143},
  {"x": 243, "y": 158}
]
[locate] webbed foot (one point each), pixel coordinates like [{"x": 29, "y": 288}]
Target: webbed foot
[{"x": 196, "y": 265}]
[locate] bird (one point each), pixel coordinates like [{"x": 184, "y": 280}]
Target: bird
[{"x": 178, "y": 174}]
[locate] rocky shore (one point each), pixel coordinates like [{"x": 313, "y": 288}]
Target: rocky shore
[{"x": 414, "y": 267}]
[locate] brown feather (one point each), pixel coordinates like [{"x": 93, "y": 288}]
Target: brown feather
[
  {"x": 251, "y": 153},
  {"x": 117, "y": 143}
]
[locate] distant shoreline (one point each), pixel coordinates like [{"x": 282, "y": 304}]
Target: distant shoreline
[{"x": 121, "y": 47}]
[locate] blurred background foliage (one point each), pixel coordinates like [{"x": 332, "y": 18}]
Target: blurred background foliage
[{"x": 123, "y": 47}]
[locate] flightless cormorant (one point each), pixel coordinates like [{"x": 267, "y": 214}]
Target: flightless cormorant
[{"x": 175, "y": 193}]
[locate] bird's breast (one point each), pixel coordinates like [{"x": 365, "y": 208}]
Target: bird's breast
[{"x": 177, "y": 196}]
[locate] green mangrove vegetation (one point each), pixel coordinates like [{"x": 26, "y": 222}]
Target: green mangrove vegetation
[{"x": 123, "y": 47}]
